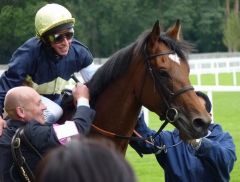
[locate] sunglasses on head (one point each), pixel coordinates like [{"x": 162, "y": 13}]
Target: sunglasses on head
[{"x": 59, "y": 38}]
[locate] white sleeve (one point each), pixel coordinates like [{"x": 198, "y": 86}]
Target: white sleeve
[
  {"x": 82, "y": 101},
  {"x": 88, "y": 71}
]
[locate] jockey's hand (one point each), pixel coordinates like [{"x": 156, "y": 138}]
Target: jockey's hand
[
  {"x": 80, "y": 91},
  {"x": 3, "y": 125}
]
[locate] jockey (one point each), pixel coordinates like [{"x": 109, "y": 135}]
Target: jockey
[{"x": 47, "y": 61}]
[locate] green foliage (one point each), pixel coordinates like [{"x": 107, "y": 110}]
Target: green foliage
[
  {"x": 231, "y": 32},
  {"x": 110, "y": 24},
  {"x": 183, "y": 10},
  {"x": 105, "y": 26},
  {"x": 7, "y": 29},
  {"x": 207, "y": 29},
  {"x": 17, "y": 25}
]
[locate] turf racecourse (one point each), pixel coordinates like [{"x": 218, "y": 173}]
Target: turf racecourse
[{"x": 226, "y": 110}]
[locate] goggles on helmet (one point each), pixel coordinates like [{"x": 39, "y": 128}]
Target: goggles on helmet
[{"x": 59, "y": 37}]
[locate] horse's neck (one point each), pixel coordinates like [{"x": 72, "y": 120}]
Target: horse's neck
[{"x": 117, "y": 108}]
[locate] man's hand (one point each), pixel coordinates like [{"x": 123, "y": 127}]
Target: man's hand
[
  {"x": 80, "y": 91},
  {"x": 3, "y": 125}
]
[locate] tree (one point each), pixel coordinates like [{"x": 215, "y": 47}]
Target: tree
[
  {"x": 231, "y": 33},
  {"x": 231, "y": 36},
  {"x": 207, "y": 29},
  {"x": 105, "y": 26},
  {"x": 17, "y": 25}
]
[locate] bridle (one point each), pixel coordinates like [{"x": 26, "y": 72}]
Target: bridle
[{"x": 171, "y": 114}]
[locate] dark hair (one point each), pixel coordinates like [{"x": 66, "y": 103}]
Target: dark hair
[
  {"x": 85, "y": 160},
  {"x": 208, "y": 104}
]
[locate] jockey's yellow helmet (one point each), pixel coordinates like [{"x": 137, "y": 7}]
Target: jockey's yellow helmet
[{"x": 52, "y": 16}]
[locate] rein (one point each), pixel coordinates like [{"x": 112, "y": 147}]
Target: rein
[
  {"x": 20, "y": 162},
  {"x": 149, "y": 140},
  {"x": 114, "y": 135}
]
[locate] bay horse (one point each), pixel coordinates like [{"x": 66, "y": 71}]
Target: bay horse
[{"x": 153, "y": 72}]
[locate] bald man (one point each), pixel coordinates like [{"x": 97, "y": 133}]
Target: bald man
[
  {"x": 24, "y": 104},
  {"x": 25, "y": 109}
]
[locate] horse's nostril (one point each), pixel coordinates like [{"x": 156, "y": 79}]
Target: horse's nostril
[{"x": 199, "y": 124}]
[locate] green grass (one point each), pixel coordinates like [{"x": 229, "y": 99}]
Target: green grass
[
  {"x": 209, "y": 79},
  {"x": 226, "y": 110}
]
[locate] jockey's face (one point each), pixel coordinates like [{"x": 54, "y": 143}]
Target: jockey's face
[{"x": 61, "y": 41}]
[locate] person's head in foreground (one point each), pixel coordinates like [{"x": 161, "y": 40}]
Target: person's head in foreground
[{"x": 85, "y": 160}]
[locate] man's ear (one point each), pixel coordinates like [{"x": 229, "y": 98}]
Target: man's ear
[{"x": 20, "y": 112}]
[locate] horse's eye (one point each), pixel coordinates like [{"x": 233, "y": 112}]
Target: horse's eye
[{"x": 163, "y": 74}]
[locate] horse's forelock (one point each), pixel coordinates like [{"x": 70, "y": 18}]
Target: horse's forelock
[{"x": 181, "y": 47}]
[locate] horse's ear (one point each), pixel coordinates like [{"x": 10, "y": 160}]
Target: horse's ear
[
  {"x": 154, "y": 35},
  {"x": 175, "y": 31}
]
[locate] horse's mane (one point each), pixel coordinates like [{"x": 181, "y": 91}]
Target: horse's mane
[
  {"x": 116, "y": 66},
  {"x": 119, "y": 62}
]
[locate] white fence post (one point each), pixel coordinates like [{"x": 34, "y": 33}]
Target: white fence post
[{"x": 234, "y": 78}]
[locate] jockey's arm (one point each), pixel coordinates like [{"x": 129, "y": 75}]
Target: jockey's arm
[{"x": 89, "y": 71}]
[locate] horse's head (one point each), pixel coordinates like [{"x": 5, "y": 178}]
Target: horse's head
[
  {"x": 154, "y": 72},
  {"x": 166, "y": 88}
]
